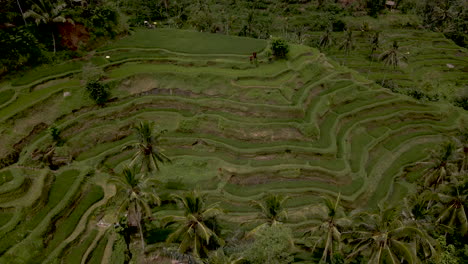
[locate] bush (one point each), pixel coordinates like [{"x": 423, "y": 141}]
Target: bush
[
  {"x": 279, "y": 48},
  {"x": 462, "y": 102},
  {"x": 98, "y": 92},
  {"x": 273, "y": 244},
  {"x": 338, "y": 25}
]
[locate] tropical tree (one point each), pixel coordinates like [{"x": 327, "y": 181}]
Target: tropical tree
[
  {"x": 135, "y": 196},
  {"x": 272, "y": 208},
  {"x": 195, "y": 232},
  {"x": 375, "y": 43},
  {"x": 453, "y": 204},
  {"x": 384, "y": 238},
  {"x": 348, "y": 44},
  {"x": 442, "y": 164},
  {"x": 279, "y": 48},
  {"x": 463, "y": 150},
  {"x": 326, "y": 39},
  {"x": 148, "y": 154},
  {"x": 393, "y": 56},
  {"x": 327, "y": 235},
  {"x": 48, "y": 13}
]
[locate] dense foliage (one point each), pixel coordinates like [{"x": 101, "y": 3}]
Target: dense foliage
[
  {"x": 31, "y": 27},
  {"x": 430, "y": 226},
  {"x": 99, "y": 92}
]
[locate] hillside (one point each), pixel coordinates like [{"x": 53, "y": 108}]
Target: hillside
[{"x": 305, "y": 127}]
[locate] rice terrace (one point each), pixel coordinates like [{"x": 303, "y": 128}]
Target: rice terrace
[{"x": 179, "y": 146}]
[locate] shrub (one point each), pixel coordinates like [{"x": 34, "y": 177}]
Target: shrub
[
  {"x": 462, "y": 102},
  {"x": 279, "y": 48},
  {"x": 338, "y": 25},
  {"x": 272, "y": 245},
  {"x": 55, "y": 134},
  {"x": 98, "y": 92}
]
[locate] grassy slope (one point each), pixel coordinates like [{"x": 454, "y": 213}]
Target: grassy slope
[
  {"x": 185, "y": 41},
  {"x": 303, "y": 127}
]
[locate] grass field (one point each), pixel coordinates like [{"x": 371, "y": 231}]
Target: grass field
[{"x": 305, "y": 127}]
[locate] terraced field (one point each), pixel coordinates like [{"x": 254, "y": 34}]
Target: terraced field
[
  {"x": 433, "y": 65},
  {"x": 304, "y": 127}
]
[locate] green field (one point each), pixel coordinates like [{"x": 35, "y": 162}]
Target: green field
[{"x": 304, "y": 127}]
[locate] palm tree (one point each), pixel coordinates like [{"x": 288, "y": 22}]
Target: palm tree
[
  {"x": 327, "y": 235},
  {"x": 463, "y": 150},
  {"x": 21, "y": 10},
  {"x": 135, "y": 196},
  {"x": 272, "y": 208},
  {"x": 148, "y": 154},
  {"x": 375, "y": 42},
  {"x": 325, "y": 40},
  {"x": 441, "y": 164},
  {"x": 384, "y": 238},
  {"x": 393, "y": 56},
  {"x": 48, "y": 13},
  {"x": 195, "y": 232},
  {"x": 453, "y": 202},
  {"x": 348, "y": 44}
]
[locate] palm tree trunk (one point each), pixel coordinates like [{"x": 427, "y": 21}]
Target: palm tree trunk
[
  {"x": 141, "y": 236},
  {"x": 21, "y": 10},
  {"x": 53, "y": 41}
]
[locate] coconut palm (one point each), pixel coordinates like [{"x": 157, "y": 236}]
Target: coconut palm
[
  {"x": 463, "y": 150},
  {"x": 442, "y": 164},
  {"x": 194, "y": 232},
  {"x": 384, "y": 238},
  {"x": 135, "y": 196},
  {"x": 48, "y": 13},
  {"x": 375, "y": 42},
  {"x": 348, "y": 44},
  {"x": 326, "y": 40},
  {"x": 272, "y": 208},
  {"x": 453, "y": 204},
  {"x": 393, "y": 56},
  {"x": 327, "y": 235},
  {"x": 148, "y": 154}
]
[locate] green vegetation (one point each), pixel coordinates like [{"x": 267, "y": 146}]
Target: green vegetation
[
  {"x": 279, "y": 48},
  {"x": 189, "y": 42},
  {"x": 98, "y": 92},
  {"x": 212, "y": 151},
  {"x": 6, "y": 95}
]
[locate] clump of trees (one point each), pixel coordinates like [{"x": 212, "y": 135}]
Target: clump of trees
[
  {"x": 98, "y": 91},
  {"x": 279, "y": 48}
]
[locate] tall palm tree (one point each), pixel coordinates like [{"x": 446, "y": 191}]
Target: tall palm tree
[
  {"x": 463, "y": 150},
  {"x": 393, "y": 56},
  {"x": 135, "y": 196},
  {"x": 21, "y": 10},
  {"x": 194, "y": 233},
  {"x": 326, "y": 39},
  {"x": 148, "y": 154},
  {"x": 384, "y": 238},
  {"x": 327, "y": 235},
  {"x": 48, "y": 13},
  {"x": 348, "y": 44},
  {"x": 375, "y": 43},
  {"x": 442, "y": 164},
  {"x": 272, "y": 208},
  {"x": 453, "y": 204}
]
